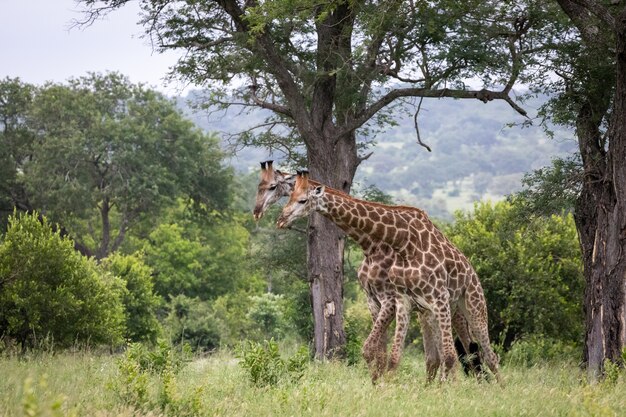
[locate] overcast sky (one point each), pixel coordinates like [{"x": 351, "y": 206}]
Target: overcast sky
[{"x": 38, "y": 45}]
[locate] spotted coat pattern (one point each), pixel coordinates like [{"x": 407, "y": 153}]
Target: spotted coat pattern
[{"x": 409, "y": 263}]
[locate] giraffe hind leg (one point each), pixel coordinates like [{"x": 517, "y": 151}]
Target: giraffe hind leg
[
  {"x": 466, "y": 348},
  {"x": 476, "y": 316}
]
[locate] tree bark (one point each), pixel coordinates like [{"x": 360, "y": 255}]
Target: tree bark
[
  {"x": 601, "y": 207},
  {"x": 333, "y": 162}
]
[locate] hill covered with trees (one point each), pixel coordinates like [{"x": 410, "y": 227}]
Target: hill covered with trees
[{"x": 479, "y": 152}]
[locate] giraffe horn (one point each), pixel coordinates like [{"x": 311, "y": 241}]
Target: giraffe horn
[
  {"x": 269, "y": 164},
  {"x": 263, "y": 166}
]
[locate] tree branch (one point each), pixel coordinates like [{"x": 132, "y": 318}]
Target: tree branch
[
  {"x": 598, "y": 10},
  {"x": 483, "y": 95},
  {"x": 266, "y": 104}
]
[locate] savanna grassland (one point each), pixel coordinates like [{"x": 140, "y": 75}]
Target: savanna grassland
[{"x": 87, "y": 384}]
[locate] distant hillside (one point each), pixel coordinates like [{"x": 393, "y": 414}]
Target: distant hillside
[{"x": 474, "y": 154}]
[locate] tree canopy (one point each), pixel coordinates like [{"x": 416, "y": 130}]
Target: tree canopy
[{"x": 100, "y": 154}]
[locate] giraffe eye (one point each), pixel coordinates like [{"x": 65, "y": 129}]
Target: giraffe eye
[
  {"x": 304, "y": 200},
  {"x": 273, "y": 187}
]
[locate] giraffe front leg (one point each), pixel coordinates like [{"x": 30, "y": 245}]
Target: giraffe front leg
[
  {"x": 429, "y": 339},
  {"x": 374, "y": 355},
  {"x": 446, "y": 342},
  {"x": 402, "y": 326}
]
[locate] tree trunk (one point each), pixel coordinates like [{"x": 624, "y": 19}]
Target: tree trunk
[
  {"x": 601, "y": 223},
  {"x": 332, "y": 162}
]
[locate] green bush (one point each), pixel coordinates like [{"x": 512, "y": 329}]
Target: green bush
[
  {"x": 531, "y": 271},
  {"x": 48, "y": 290},
  {"x": 141, "y": 364},
  {"x": 358, "y": 322},
  {"x": 266, "y": 367},
  {"x": 267, "y": 314},
  {"x": 140, "y": 302},
  {"x": 535, "y": 350},
  {"x": 190, "y": 321}
]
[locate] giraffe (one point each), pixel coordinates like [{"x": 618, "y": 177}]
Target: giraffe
[
  {"x": 419, "y": 261},
  {"x": 274, "y": 185}
]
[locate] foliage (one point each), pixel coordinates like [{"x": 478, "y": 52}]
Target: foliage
[
  {"x": 535, "y": 350},
  {"x": 190, "y": 322},
  {"x": 107, "y": 155},
  {"x": 15, "y": 142},
  {"x": 550, "y": 190},
  {"x": 531, "y": 272},
  {"x": 135, "y": 369},
  {"x": 358, "y": 324},
  {"x": 196, "y": 256},
  {"x": 265, "y": 365},
  {"x": 49, "y": 289},
  {"x": 279, "y": 257},
  {"x": 267, "y": 312},
  {"x": 140, "y": 302}
]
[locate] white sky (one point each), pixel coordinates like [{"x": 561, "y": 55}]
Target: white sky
[{"x": 38, "y": 45}]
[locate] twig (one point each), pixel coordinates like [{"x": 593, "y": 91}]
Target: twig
[{"x": 417, "y": 130}]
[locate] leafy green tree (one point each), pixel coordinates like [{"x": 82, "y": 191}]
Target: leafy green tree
[
  {"x": 105, "y": 155},
  {"x": 330, "y": 74},
  {"x": 267, "y": 312},
  {"x": 139, "y": 300},
  {"x": 47, "y": 289},
  {"x": 530, "y": 271},
  {"x": 198, "y": 257},
  {"x": 15, "y": 143},
  {"x": 590, "y": 95},
  {"x": 191, "y": 321}
]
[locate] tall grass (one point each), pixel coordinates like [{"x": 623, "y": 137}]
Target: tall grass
[{"x": 85, "y": 384}]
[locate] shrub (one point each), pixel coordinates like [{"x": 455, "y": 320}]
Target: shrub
[
  {"x": 140, "y": 302},
  {"x": 47, "y": 289},
  {"x": 265, "y": 365},
  {"x": 190, "y": 321},
  {"x": 140, "y": 363},
  {"x": 267, "y": 313},
  {"x": 358, "y": 323},
  {"x": 535, "y": 349}
]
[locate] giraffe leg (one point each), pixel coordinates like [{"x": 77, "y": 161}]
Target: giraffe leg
[
  {"x": 372, "y": 346},
  {"x": 446, "y": 343},
  {"x": 476, "y": 315},
  {"x": 402, "y": 326},
  {"x": 431, "y": 352},
  {"x": 469, "y": 358},
  {"x": 380, "y": 360}
]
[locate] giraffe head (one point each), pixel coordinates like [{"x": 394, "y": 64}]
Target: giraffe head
[
  {"x": 272, "y": 186},
  {"x": 304, "y": 198}
]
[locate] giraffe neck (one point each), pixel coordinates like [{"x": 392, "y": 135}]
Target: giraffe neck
[{"x": 369, "y": 223}]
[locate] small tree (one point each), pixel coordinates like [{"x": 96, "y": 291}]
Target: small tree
[
  {"x": 531, "y": 272},
  {"x": 139, "y": 300},
  {"x": 49, "y": 289}
]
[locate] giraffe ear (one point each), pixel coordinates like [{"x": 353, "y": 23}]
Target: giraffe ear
[{"x": 319, "y": 190}]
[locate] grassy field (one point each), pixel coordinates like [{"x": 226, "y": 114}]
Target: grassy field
[{"x": 86, "y": 384}]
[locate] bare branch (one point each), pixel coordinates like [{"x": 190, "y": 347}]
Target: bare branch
[
  {"x": 296, "y": 229},
  {"x": 92, "y": 12},
  {"x": 267, "y": 105},
  {"x": 483, "y": 95},
  {"x": 364, "y": 157},
  {"x": 417, "y": 130}
]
